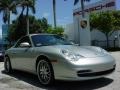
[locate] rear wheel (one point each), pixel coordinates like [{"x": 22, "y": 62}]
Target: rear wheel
[
  {"x": 45, "y": 72},
  {"x": 7, "y": 65}
]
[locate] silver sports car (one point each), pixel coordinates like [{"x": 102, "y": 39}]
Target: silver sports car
[{"x": 52, "y": 57}]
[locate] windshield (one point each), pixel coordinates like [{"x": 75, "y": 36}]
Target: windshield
[{"x": 46, "y": 40}]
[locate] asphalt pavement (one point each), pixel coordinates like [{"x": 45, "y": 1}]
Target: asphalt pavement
[{"x": 25, "y": 81}]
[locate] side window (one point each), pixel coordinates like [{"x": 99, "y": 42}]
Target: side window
[{"x": 24, "y": 39}]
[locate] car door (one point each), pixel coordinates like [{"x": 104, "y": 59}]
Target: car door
[{"x": 24, "y": 55}]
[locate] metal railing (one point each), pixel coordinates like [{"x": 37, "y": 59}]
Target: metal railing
[{"x": 103, "y": 44}]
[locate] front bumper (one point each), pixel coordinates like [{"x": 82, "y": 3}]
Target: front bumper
[
  {"x": 85, "y": 69},
  {"x": 94, "y": 74}
]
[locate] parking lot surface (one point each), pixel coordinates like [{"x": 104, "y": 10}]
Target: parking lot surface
[{"x": 25, "y": 81}]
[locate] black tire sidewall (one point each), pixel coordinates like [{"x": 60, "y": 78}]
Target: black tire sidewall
[
  {"x": 51, "y": 70},
  {"x": 5, "y": 65}
]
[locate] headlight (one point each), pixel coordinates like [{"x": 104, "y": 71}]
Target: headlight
[
  {"x": 104, "y": 51},
  {"x": 98, "y": 49},
  {"x": 71, "y": 56}
]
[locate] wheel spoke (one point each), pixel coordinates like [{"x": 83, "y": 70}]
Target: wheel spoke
[{"x": 44, "y": 72}]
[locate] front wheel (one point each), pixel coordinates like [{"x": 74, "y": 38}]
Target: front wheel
[
  {"x": 45, "y": 72},
  {"x": 7, "y": 65}
]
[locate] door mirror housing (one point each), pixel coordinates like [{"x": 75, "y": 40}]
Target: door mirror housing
[{"x": 25, "y": 44}]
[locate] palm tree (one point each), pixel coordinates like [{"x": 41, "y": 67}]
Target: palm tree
[
  {"x": 28, "y": 5},
  {"x": 54, "y": 13},
  {"x": 6, "y": 7}
]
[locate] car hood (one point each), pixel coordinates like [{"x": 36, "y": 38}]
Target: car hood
[{"x": 86, "y": 51}]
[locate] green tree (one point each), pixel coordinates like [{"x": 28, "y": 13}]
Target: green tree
[
  {"x": 106, "y": 22},
  {"x": 28, "y": 5},
  {"x": 44, "y": 24},
  {"x": 18, "y": 27},
  {"x": 116, "y": 15},
  {"x": 57, "y": 30},
  {"x": 7, "y": 7}
]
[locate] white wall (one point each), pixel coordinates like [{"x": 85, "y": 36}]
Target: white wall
[{"x": 69, "y": 31}]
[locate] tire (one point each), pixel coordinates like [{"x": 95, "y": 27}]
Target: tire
[
  {"x": 7, "y": 65},
  {"x": 45, "y": 72}
]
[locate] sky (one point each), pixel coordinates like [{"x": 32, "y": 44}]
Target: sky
[{"x": 64, "y": 11}]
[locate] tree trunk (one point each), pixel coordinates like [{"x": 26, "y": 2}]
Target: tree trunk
[
  {"x": 54, "y": 12},
  {"x": 8, "y": 20},
  {"x": 9, "y": 27},
  {"x": 82, "y": 7},
  {"x": 27, "y": 19},
  {"x": 23, "y": 8},
  {"x": 107, "y": 38}
]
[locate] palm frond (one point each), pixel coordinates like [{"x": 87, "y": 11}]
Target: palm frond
[
  {"x": 32, "y": 8},
  {"x": 27, "y": 4},
  {"x": 7, "y": 6}
]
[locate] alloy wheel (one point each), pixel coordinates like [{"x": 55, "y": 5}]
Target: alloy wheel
[{"x": 44, "y": 72}]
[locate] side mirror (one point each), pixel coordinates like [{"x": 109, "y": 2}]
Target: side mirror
[{"x": 25, "y": 44}]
